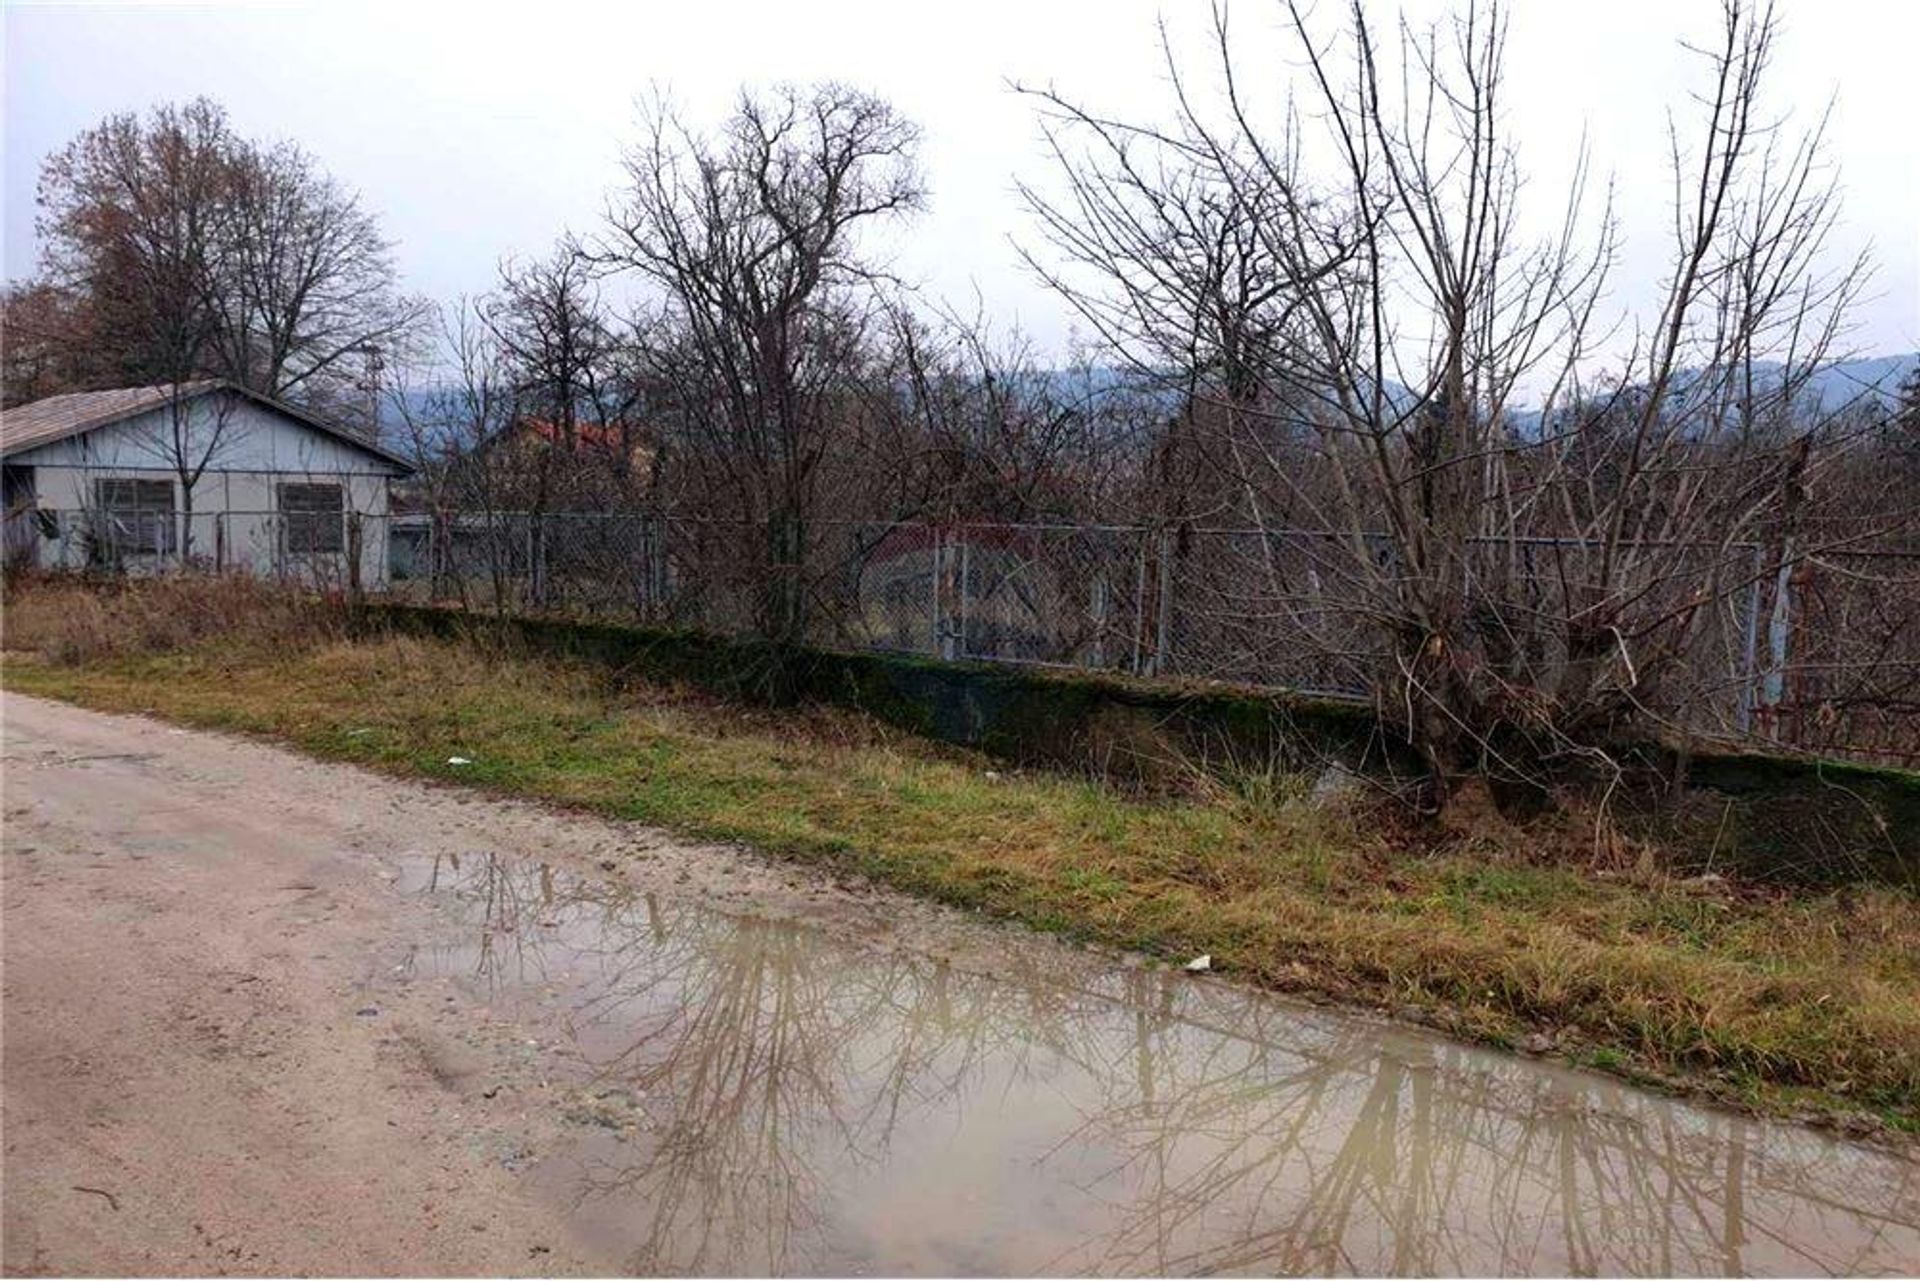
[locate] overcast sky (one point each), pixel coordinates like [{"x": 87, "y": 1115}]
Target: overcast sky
[{"x": 476, "y": 130}]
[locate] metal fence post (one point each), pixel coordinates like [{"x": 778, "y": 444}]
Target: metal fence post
[
  {"x": 1750, "y": 646},
  {"x": 433, "y": 554},
  {"x": 1099, "y": 608},
  {"x": 1163, "y": 626},
  {"x": 942, "y": 633},
  {"x": 662, "y": 569},
  {"x": 642, "y": 568},
  {"x": 356, "y": 544},
  {"x": 527, "y": 563},
  {"x": 1774, "y": 690},
  {"x": 1137, "y": 662},
  {"x": 540, "y": 584},
  {"x": 966, "y": 569}
]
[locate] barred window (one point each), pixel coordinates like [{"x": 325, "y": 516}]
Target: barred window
[
  {"x": 312, "y": 519},
  {"x": 136, "y": 516}
]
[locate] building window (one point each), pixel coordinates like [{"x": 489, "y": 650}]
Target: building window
[
  {"x": 136, "y": 517},
  {"x": 312, "y": 519}
]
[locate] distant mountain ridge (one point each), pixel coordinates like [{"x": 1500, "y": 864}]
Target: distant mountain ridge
[
  {"x": 1877, "y": 376},
  {"x": 1834, "y": 386}
]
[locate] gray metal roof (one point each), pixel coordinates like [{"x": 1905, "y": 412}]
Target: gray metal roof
[{"x": 57, "y": 417}]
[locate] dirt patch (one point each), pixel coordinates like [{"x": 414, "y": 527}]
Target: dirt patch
[{"x": 193, "y": 928}]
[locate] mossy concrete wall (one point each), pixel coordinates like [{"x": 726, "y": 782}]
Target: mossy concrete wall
[
  {"x": 1802, "y": 821},
  {"x": 1809, "y": 822}
]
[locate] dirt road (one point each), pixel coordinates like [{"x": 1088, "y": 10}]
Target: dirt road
[
  {"x": 198, "y": 1077},
  {"x": 268, "y": 1015}
]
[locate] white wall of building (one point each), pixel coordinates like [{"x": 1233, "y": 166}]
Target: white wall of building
[{"x": 249, "y": 452}]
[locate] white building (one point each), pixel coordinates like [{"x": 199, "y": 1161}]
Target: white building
[{"x": 207, "y": 473}]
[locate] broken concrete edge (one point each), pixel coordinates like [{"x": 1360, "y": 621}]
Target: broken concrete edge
[{"x": 1780, "y": 818}]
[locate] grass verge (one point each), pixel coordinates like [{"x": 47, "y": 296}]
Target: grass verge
[{"x": 1798, "y": 1003}]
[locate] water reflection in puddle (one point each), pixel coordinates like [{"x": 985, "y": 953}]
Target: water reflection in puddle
[{"x": 768, "y": 1098}]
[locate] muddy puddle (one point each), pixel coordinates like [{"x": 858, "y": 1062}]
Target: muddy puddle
[{"x": 746, "y": 1095}]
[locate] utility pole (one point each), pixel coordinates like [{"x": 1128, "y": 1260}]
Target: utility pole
[{"x": 374, "y": 365}]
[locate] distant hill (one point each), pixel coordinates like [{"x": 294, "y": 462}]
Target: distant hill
[
  {"x": 418, "y": 402},
  {"x": 1878, "y": 377}
]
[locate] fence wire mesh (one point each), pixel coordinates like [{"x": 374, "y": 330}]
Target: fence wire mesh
[{"x": 1824, "y": 656}]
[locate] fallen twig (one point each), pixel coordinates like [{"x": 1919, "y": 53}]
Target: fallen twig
[{"x": 112, "y": 1200}]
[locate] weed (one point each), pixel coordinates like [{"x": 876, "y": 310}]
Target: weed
[{"x": 72, "y": 622}]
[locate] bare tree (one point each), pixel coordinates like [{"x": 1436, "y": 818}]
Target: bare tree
[
  {"x": 198, "y": 253},
  {"x": 1350, "y": 286},
  {"x": 195, "y": 430},
  {"x": 751, "y": 239},
  {"x": 308, "y": 281},
  {"x": 983, "y": 427},
  {"x": 136, "y": 217},
  {"x": 455, "y": 430},
  {"x": 549, "y": 320},
  {"x": 580, "y": 440}
]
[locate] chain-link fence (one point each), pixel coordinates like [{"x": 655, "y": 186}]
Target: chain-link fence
[
  {"x": 1272, "y": 607},
  {"x": 1822, "y": 655},
  {"x": 1839, "y": 656},
  {"x": 329, "y": 549}
]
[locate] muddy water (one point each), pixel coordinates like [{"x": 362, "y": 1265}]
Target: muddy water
[{"x": 754, "y": 1096}]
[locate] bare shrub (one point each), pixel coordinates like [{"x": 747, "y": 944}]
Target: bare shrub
[{"x": 74, "y": 621}]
